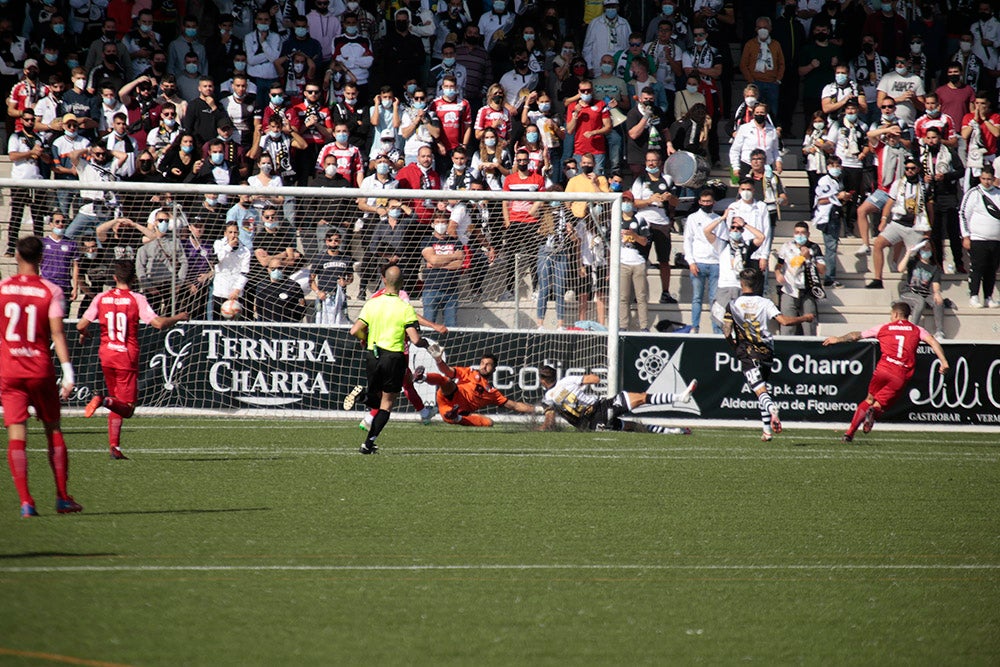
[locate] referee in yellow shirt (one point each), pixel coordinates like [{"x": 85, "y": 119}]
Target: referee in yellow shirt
[{"x": 383, "y": 327}]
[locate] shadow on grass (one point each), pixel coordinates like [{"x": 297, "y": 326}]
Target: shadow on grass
[
  {"x": 54, "y": 554},
  {"x": 228, "y": 459},
  {"x": 178, "y": 511}
]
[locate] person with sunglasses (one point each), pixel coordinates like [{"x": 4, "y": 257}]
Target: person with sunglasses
[{"x": 905, "y": 217}]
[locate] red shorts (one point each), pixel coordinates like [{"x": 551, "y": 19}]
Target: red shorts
[
  {"x": 887, "y": 384},
  {"x": 122, "y": 384},
  {"x": 18, "y": 393}
]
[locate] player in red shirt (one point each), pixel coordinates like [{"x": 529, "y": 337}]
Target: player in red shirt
[
  {"x": 463, "y": 390},
  {"x": 898, "y": 341},
  {"x": 30, "y": 319},
  {"x": 119, "y": 311}
]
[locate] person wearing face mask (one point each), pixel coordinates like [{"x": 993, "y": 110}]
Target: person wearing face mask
[
  {"x": 471, "y": 55},
  {"x": 108, "y": 38},
  {"x": 867, "y": 69},
  {"x": 933, "y": 117},
  {"x": 844, "y": 89},
  {"x": 92, "y": 271},
  {"x": 955, "y": 95},
  {"x": 737, "y": 242},
  {"x": 67, "y": 150},
  {"x": 497, "y": 114},
  {"x": 443, "y": 258},
  {"x": 760, "y": 134},
  {"x": 680, "y": 30},
  {"x": 186, "y": 42},
  {"x": 299, "y": 41},
  {"x": 906, "y": 89},
  {"x": 354, "y": 52},
  {"x": 221, "y": 47},
  {"x": 57, "y": 259},
  {"x": 986, "y": 31},
  {"x": 324, "y": 25},
  {"x": 350, "y": 164},
  {"x": 352, "y": 113},
  {"x": 890, "y": 30},
  {"x": 163, "y": 135},
  {"x": 273, "y": 244},
  {"x": 519, "y": 81},
  {"x": 704, "y": 62},
  {"x": 972, "y": 60},
  {"x": 606, "y": 34},
  {"x": 216, "y": 170},
  {"x": 906, "y": 217},
  {"x": 744, "y": 112},
  {"x": 800, "y": 262},
  {"x": 624, "y": 57},
  {"x": 589, "y": 121},
  {"x": 754, "y": 214},
  {"x": 231, "y": 265},
  {"x": 28, "y": 155},
  {"x": 538, "y": 111},
  {"x": 790, "y": 34},
  {"x": 942, "y": 181},
  {"x": 453, "y": 115},
  {"x": 263, "y": 48},
  {"x": 26, "y": 93},
  {"x": 279, "y": 299},
  {"x": 665, "y": 51},
  {"x": 161, "y": 264},
  {"x": 520, "y": 220},
  {"x": 168, "y": 93},
  {"x": 655, "y": 194},
  {"x": 331, "y": 273},
  {"x": 495, "y": 24},
  {"x": 817, "y": 61},
  {"x": 702, "y": 258},
  {"x": 632, "y": 267},
  {"x": 763, "y": 63},
  {"x": 278, "y": 142},
  {"x": 450, "y": 21},
  {"x": 920, "y": 285},
  {"x": 141, "y": 42},
  {"x": 828, "y": 214},
  {"x": 418, "y": 127},
  {"x": 980, "y": 224},
  {"x": 849, "y": 138},
  {"x": 402, "y": 55}
]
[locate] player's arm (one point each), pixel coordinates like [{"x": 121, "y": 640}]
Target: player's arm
[
  {"x": 518, "y": 406},
  {"x": 424, "y": 322},
  {"x": 413, "y": 333},
  {"x": 82, "y": 327},
  {"x": 787, "y": 321},
  {"x": 161, "y": 322},
  {"x": 590, "y": 378},
  {"x": 938, "y": 350},
  {"x": 849, "y": 337},
  {"x": 549, "y": 421},
  {"x": 62, "y": 352},
  {"x": 360, "y": 331}
]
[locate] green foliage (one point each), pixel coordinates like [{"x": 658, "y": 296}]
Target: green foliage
[{"x": 505, "y": 546}]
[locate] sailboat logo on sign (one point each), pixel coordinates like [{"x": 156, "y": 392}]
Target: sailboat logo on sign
[{"x": 663, "y": 373}]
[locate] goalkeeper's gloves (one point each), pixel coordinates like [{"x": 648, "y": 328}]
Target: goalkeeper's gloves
[{"x": 68, "y": 379}]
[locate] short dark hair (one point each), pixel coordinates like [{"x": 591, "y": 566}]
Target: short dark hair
[
  {"x": 30, "y": 249},
  {"x": 902, "y": 308},
  {"x": 489, "y": 355},
  {"x": 547, "y": 374},
  {"x": 752, "y": 278}
]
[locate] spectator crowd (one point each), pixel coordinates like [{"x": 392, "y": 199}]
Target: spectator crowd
[{"x": 897, "y": 125}]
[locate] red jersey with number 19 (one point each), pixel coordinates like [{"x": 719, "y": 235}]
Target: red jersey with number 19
[
  {"x": 119, "y": 311},
  {"x": 27, "y": 302},
  {"x": 898, "y": 341}
]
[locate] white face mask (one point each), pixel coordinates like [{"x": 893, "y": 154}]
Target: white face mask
[
  {"x": 746, "y": 195},
  {"x": 762, "y": 34},
  {"x": 440, "y": 228},
  {"x": 330, "y": 170}
]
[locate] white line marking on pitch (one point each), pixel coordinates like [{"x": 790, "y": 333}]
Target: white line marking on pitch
[{"x": 488, "y": 566}]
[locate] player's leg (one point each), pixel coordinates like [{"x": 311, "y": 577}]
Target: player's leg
[
  {"x": 865, "y": 409},
  {"x": 890, "y": 391},
  {"x": 385, "y": 376},
  {"x": 123, "y": 389},
  {"x": 45, "y": 397},
  {"x": 475, "y": 420},
  {"x": 755, "y": 374},
  {"x": 15, "y": 417}
]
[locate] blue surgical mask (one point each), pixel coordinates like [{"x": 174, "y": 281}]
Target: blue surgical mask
[
  {"x": 926, "y": 254},
  {"x": 700, "y": 42},
  {"x": 70, "y": 134},
  {"x": 72, "y": 64},
  {"x": 532, "y": 137},
  {"x": 191, "y": 32},
  {"x": 341, "y": 137},
  {"x": 351, "y": 30},
  {"x": 499, "y": 6},
  {"x": 448, "y": 62},
  {"x": 382, "y": 168},
  {"x": 240, "y": 66},
  {"x": 395, "y": 213},
  {"x": 163, "y": 227},
  {"x": 169, "y": 122},
  {"x": 419, "y": 104},
  {"x": 217, "y": 158},
  {"x": 691, "y": 89},
  {"x": 617, "y": 187},
  {"x": 840, "y": 78},
  {"x": 529, "y": 37},
  {"x": 187, "y": 148},
  {"x": 545, "y": 107},
  {"x": 277, "y": 274},
  {"x": 90, "y": 255},
  {"x": 736, "y": 236},
  {"x": 412, "y": 88},
  {"x": 490, "y": 141},
  {"x": 668, "y": 10},
  {"x": 586, "y": 98},
  {"x": 450, "y": 93},
  {"x": 611, "y": 14},
  {"x": 109, "y": 101},
  {"x": 851, "y": 117},
  {"x": 58, "y": 28},
  {"x": 51, "y": 57},
  {"x": 58, "y": 231},
  {"x": 606, "y": 68},
  {"x": 834, "y": 171},
  {"x": 263, "y": 27},
  {"x": 886, "y": 7},
  {"x": 627, "y": 207},
  {"x": 301, "y": 32},
  {"x": 801, "y": 239},
  {"x": 933, "y": 113},
  {"x": 191, "y": 68},
  {"x": 277, "y": 99},
  {"x": 652, "y": 170},
  {"x": 271, "y": 225}
]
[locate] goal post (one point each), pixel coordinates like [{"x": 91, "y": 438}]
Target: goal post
[{"x": 500, "y": 265}]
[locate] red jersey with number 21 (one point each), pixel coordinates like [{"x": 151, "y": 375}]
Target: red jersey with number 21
[
  {"x": 27, "y": 302},
  {"x": 119, "y": 312},
  {"x": 898, "y": 341}
]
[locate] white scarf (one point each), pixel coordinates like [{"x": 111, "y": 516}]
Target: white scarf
[{"x": 765, "y": 61}]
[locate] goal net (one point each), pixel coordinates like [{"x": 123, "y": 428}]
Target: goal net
[{"x": 272, "y": 279}]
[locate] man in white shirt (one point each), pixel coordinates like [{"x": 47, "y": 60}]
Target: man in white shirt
[
  {"x": 263, "y": 48},
  {"x": 905, "y": 88},
  {"x": 755, "y": 214},
  {"x": 980, "y": 224},
  {"x": 799, "y": 271},
  {"x": 606, "y": 34},
  {"x": 231, "y": 268},
  {"x": 702, "y": 257},
  {"x": 905, "y": 217},
  {"x": 758, "y": 134}
]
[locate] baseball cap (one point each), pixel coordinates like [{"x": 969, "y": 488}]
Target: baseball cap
[
  {"x": 30, "y": 62},
  {"x": 387, "y": 133},
  {"x": 70, "y": 118}
]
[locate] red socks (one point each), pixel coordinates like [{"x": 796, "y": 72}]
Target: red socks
[
  {"x": 59, "y": 462},
  {"x": 859, "y": 416},
  {"x": 119, "y": 407},
  {"x": 18, "y": 462}
]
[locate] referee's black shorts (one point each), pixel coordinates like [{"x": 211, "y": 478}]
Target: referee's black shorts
[{"x": 385, "y": 374}]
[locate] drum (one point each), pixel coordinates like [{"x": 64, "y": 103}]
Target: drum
[{"x": 687, "y": 169}]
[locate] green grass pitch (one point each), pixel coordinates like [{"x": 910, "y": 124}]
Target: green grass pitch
[{"x": 237, "y": 542}]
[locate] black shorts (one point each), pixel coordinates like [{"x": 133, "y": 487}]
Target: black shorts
[
  {"x": 385, "y": 374},
  {"x": 755, "y": 365},
  {"x": 660, "y": 236},
  {"x": 596, "y": 280}
]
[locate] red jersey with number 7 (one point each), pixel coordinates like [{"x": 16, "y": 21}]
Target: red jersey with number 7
[
  {"x": 27, "y": 302},
  {"x": 898, "y": 341},
  {"x": 118, "y": 312}
]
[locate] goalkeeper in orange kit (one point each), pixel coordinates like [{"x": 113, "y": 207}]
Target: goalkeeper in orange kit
[{"x": 463, "y": 390}]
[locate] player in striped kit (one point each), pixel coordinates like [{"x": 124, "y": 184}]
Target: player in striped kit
[
  {"x": 575, "y": 399},
  {"x": 745, "y": 325},
  {"x": 30, "y": 318},
  {"x": 118, "y": 312},
  {"x": 898, "y": 341}
]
